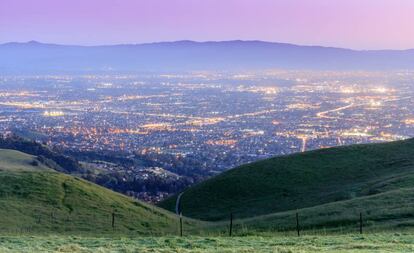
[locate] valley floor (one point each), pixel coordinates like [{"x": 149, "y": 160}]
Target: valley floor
[{"x": 381, "y": 242}]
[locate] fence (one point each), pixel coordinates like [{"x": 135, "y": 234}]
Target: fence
[
  {"x": 115, "y": 222},
  {"x": 356, "y": 225}
]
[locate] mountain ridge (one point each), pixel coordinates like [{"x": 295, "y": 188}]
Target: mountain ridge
[
  {"x": 236, "y": 55},
  {"x": 194, "y": 42}
]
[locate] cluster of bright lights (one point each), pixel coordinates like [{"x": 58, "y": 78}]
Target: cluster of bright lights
[{"x": 53, "y": 113}]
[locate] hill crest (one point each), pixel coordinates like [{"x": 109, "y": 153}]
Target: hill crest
[
  {"x": 301, "y": 180},
  {"x": 36, "y": 199}
]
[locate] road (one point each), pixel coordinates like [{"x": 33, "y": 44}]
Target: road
[
  {"x": 324, "y": 114},
  {"x": 177, "y": 203}
]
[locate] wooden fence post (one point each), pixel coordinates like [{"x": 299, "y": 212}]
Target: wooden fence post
[
  {"x": 181, "y": 224},
  {"x": 297, "y": 224},
  {"x": 231, "y": 224},
  {"x": 360, "y": 223},
  {"x": 113, "y": 220}
]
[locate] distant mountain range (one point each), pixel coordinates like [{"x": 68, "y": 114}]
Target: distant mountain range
[{"x": 34, "y": 57}]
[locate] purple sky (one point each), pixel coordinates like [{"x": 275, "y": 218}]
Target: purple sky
[{"x": 359, "y": 24}]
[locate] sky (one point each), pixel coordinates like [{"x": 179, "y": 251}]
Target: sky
[{"x": 357, "y": 24}]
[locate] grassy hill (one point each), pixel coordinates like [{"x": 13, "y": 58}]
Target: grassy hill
[
  {"x": 337, "y": 182},
  {"x": 36, "y": 199},
  {"x": 388, "y": 211},
  {"x": 329, "y": 188}
]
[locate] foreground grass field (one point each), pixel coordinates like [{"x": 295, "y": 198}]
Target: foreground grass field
[{"x": 383, "y": 242}]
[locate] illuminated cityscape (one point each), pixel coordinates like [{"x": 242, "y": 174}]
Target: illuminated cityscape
[{"x": 199, "y": 124}]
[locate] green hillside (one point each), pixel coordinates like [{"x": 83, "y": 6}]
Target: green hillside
[
  {"x": 357, "y": 173},
  {"x": 388, "y": 211},
  {"x": 36, "y": 199}
]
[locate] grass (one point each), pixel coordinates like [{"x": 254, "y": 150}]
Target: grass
[
  {"x": 38, "y": 200},
  {"x": 46, "y": 211},
  {"x": 371, "y": 176},
  {"x": 382, "y": 242},
  {"x": 392, "y": 210}
]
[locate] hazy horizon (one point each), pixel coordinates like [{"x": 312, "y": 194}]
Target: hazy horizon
[
  {"x": 366, "y": 25},
  {"x": 206, "y": 41}
]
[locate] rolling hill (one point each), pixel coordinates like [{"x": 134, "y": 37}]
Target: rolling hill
[
  {"x": 335, "y": 183},
  {"x": 328, "y": 188},
  {"x": 40, "y": 58},
  {"x": 37, "y": 199}
]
